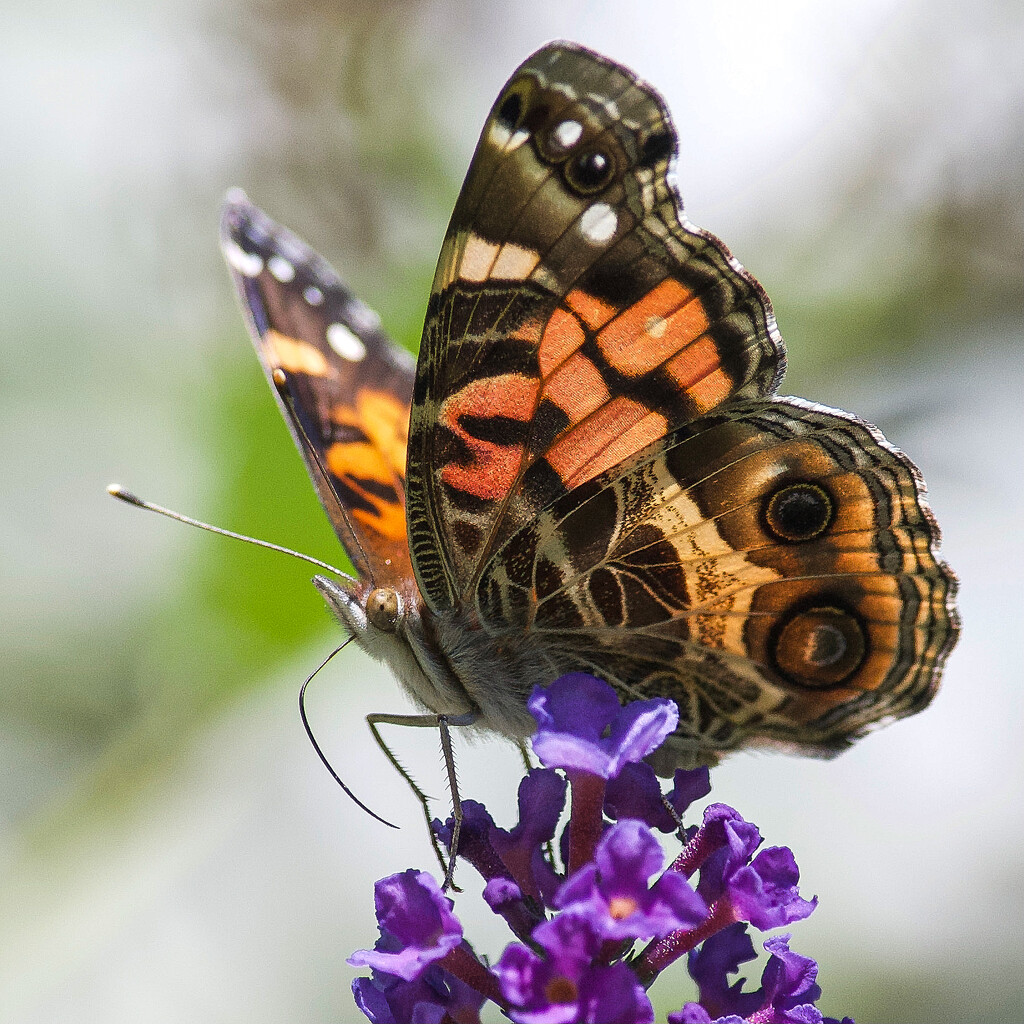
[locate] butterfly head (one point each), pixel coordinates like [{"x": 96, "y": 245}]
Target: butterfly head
[
  {"x": 383, "y": 622},
  {"x": 364, "y": 609}
]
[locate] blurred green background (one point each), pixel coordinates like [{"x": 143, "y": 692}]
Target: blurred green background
[{"x": 169, "y": 847}]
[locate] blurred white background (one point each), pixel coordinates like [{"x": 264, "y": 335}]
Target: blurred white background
[{"x": 170, "y": 848}]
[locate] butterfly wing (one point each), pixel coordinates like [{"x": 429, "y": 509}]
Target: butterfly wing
[
  {"x": 771, "y": 567},
  {"x": 575, "y": 316},
  {"x": 344, "y": 387}
]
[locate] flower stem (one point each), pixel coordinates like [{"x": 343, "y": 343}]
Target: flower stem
[
  {"x": 585, "y": 820},
  {"x": 662, "y": 952},
  {"x": 464, "y": 965},
  {"x": 695, "y": 852}
]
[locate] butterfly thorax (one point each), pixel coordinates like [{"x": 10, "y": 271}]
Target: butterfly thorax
[{"x": 447, "y": 662}]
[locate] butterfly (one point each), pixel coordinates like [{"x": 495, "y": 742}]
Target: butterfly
[{"x": 588, "y": 467}]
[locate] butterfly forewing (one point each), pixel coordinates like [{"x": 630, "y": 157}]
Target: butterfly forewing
[
  {"x": 344, "y": 387},
  {"x": 575, "y": 317}
]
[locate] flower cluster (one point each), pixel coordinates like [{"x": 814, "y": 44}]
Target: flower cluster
[{"x": 594, "y": 936}]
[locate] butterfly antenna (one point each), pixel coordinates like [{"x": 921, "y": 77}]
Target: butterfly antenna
[
  {"x": 316, "y": 746},
  {"x": 126, "y": 496},
  {"x": 119, "y": 492}
]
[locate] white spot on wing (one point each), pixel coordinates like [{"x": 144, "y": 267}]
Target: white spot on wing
[
  {"x": 566, "y": 134},
  {"x": 248, "y": 264},
  {"x": 501, "y": 138},
  {"x": 598, "y": 223},
  {"x": 313, "y": 295},
  {"x": 362, "y": 316},
  {"x": 281, "y": 269},
  {"x": 656, "y": 326},
  {"x": 514, "y": 263},
  {"x": 345, "y": 343},
  {"x": 477, "y": 259},
  {"x": 499, "y": 134}
]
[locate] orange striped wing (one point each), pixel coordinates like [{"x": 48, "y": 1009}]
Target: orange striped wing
[
  {"x": 344, "y": 387},
  {"x": 575, "y": 317}
]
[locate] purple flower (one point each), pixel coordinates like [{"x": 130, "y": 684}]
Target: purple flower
[
  {"x": 510, "y": 861},
  {"x": 580, "y": 726},
  {"x": 789, "y": 981},
  {"x": 762, "y": 891},
  {"x": 765, "y": 892},
  {"x": 499, "y": 892},
  {"x": 710, "y": 966},
  {"x": 385, "y": 999},
  {"x": 612, "y": 890},
  {"x": 541, "y": 799},
  {"x": 474, "y": 840},
  {"x": 723, "y": 842},
  {"x": 416, "y": 924},
  {"x": 694, "y": 1013},
  {"x": 788, "y": 984},
  {"x": 564, "y": 986},
  {"x": 578, "y": 918},
  {"x": 636, "y": 793}
]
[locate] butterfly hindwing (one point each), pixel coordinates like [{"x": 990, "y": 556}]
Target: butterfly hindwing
[
  {"x": 345, "y": 388},
  {"x": 769, "y": 567},
  {"x": 575, "y": 316}
]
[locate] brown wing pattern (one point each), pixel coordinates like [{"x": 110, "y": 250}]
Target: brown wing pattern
[
  {"x": 343, "y": 386},
  {"x": 575, "y": 316},
  {"x": 771, "y": 568}
]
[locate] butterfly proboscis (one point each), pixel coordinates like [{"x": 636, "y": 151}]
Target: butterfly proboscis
[{"x": 382, "y": 607}]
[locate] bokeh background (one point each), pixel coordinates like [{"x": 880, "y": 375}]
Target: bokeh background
[{"x": 169, "y": 847}]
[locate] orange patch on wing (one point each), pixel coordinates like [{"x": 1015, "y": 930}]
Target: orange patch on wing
[
  {"x": 358, "y": 461},
  {"x": 492, "y": 467},
  {"x": 389, "y": 520},
  {"x": 644, "y": 336},
  {"x": 592, "y": 311},
  {"x": 698, "y": 360},
  {"x": 577, "y": 388},
  {"x": 344, "y": 415},
  {"x": 562, "y": 336},
  {"x": 385, "y": 421},
  {"x": 617, "y": 430},
  {"x": 711, "y": 390},
  {"x": 294, "y": 355}
]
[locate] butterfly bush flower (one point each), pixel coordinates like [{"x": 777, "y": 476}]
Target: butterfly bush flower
[{"x": 595, "y": 927}]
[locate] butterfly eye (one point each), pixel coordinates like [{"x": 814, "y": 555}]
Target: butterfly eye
[
  {"x": 799, "y": 512},
  {"x": 382, "y": 607},
  {"x": 589, "y": 172},
  {"x": 820, "y": 647}
]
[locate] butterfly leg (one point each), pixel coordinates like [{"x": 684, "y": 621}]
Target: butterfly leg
[{"x": 442, "y": 723}]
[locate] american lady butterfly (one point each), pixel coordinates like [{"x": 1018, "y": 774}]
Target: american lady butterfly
[{"x": 588, "y": 468}]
